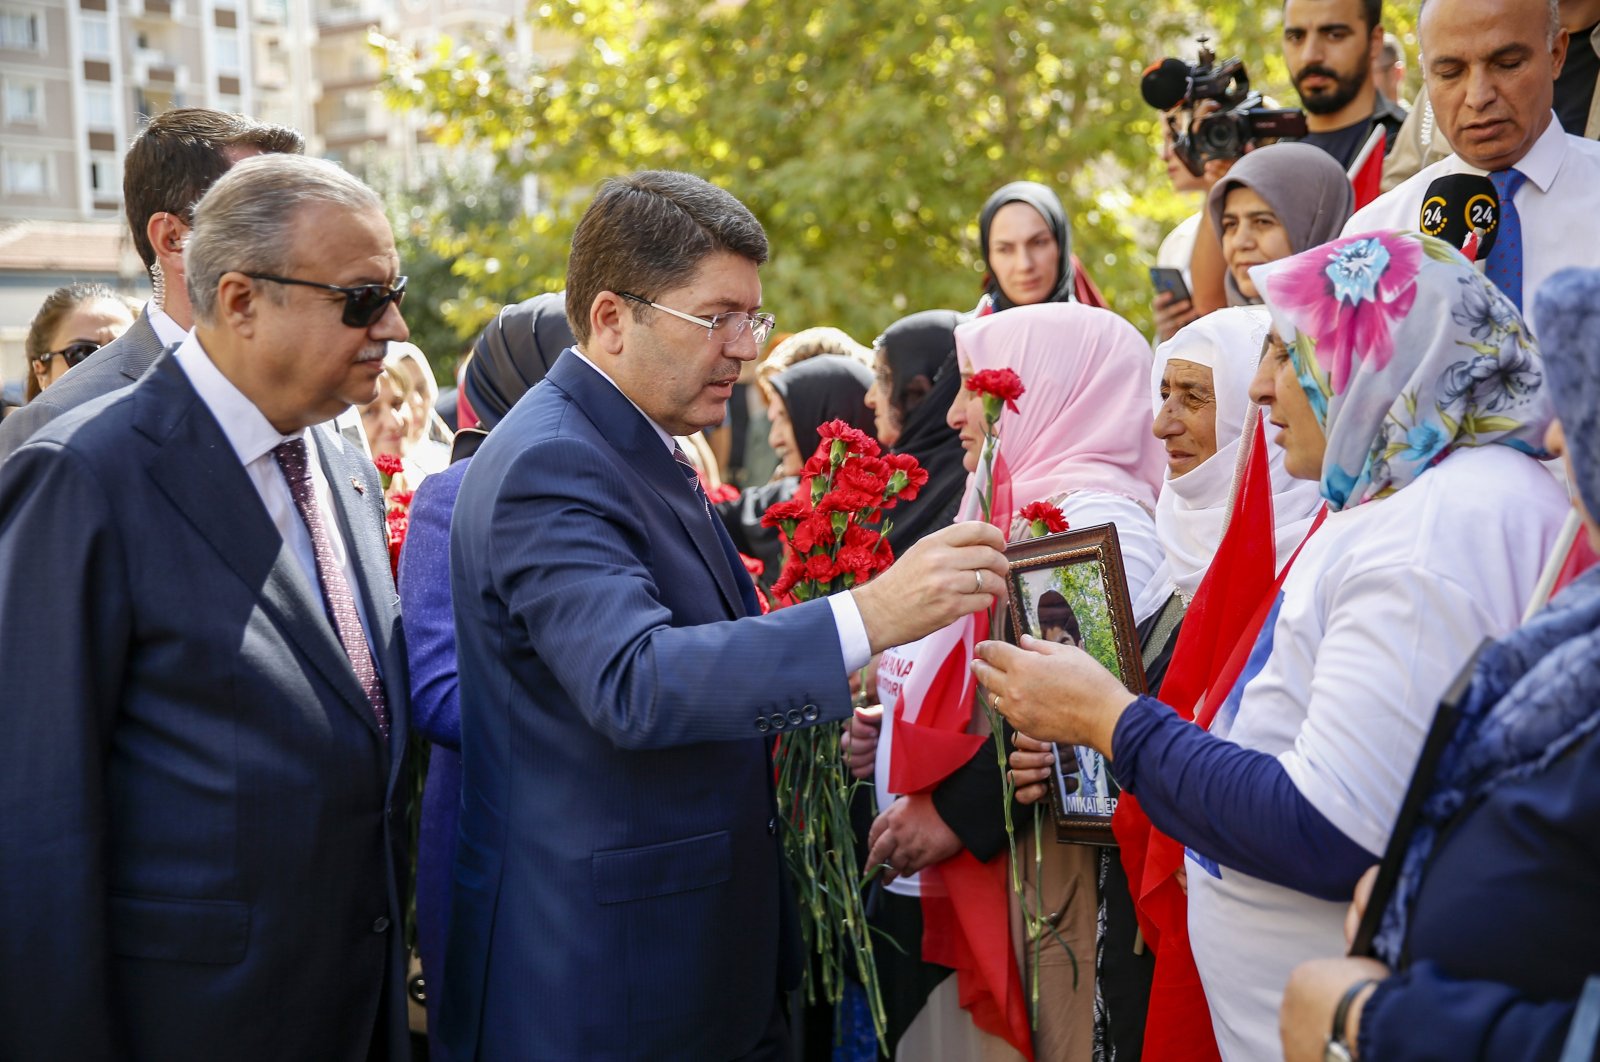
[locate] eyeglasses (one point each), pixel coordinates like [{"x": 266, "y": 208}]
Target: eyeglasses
[
  {"x": 727, "y": 327},
  {"x": 363, "y": 303},
  {"x": 74, "y": 353}
]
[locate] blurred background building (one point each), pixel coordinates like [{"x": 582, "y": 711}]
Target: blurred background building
[{"x": 78, "y": 78}]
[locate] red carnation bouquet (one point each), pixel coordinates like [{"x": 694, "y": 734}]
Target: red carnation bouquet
[
  {"x": 831, "y": 529},
  {"x": 397, "y": 505}
]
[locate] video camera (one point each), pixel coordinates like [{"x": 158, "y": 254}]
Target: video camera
[{"x": 1229, "y": 132}]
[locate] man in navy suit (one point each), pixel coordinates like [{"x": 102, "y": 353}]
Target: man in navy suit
[
  {"x": 205, "y": 687},
  {"x": 618, "y": 889}
]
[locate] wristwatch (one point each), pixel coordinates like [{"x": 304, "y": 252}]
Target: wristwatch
[{"x": 1338, "y": 1049}]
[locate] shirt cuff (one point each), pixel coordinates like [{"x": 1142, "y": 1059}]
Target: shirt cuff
[{"x": 854, "y": 645}]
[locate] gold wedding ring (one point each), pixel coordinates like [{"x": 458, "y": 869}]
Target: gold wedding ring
[{"x": 977, "y": 577}]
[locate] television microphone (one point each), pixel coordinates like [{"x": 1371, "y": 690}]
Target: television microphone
[{"x": 1463, "y": 210}]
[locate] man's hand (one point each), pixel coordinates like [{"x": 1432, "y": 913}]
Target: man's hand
[
  {"x": 1315, "y": 987},
  {"x": 951, "y": 573},
  {"x": 1030, "y": 761},
  {"x": 859, "y": 741},
  {"x": 909, "y": 837},
  {"x": 1172, "y": 314},
  {"x": 1054, "y": 692}
]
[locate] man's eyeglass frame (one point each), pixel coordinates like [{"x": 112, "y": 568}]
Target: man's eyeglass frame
[
  {"x": 760, "y": 324},
  {"x": 364, "y": 304}
]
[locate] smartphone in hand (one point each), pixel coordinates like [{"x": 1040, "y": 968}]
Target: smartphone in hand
[{"x": 1170, "y": 280}]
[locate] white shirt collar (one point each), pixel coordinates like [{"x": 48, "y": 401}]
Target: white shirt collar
[
  {"x": 1542, "y": 162},
  {"x": 167, "y": 330},
  {"x": 247, "y": 429},
  {"x": 662, "y": 433}
]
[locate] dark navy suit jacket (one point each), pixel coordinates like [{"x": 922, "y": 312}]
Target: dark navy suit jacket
[
  {"x": 196, "y": 859},
  {"x": 618, "y": 887}
]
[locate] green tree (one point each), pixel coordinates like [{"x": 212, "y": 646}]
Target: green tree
[{"x": 864, "y": 136}]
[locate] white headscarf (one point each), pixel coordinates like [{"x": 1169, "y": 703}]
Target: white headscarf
[{"x": 1192, "y": 511}]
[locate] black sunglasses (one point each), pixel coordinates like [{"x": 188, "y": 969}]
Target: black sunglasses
[
  {"x": 73, "y": 352},
  {"x": 363, "y": 304}
]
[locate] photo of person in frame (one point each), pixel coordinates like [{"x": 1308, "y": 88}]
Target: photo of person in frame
[{"x": 1055, "y": 620}]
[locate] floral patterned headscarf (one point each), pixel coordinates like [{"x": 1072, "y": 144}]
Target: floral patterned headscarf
[{"x": 1406, "y": 353}]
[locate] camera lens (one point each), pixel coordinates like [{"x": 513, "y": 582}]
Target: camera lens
[{"x": 1221, "y": 137}]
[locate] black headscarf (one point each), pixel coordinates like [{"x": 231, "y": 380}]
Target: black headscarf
[
  {"x": 1049, "y": 207},
  {"x": 512, "y": 353},
  {"x": 817, "y": 390},
  {"x": 924, "y": 344}
]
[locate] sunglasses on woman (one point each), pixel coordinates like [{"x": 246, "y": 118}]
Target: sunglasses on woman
[
  {"x": 72, "y": 352},
  {"x": 363, "y": 303}
]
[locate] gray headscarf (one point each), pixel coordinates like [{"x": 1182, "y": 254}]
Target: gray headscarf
[{"x": 1304, "y": 185}]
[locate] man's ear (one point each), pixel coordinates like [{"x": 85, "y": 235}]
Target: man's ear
[
  {"x": 915, "y": 390},
  {"x": 606, "y": 325},
  {"x": 237, "y": 304},
  {"x": 167, "y": 233}
]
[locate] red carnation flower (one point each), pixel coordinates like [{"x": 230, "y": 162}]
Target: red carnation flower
[
  {"x": 389, "y": 465},
  {"x": 820, "y": 568},
  {"x": 1044, "y": 518},
  {"x": 847, "y": 499},
  {"x": 794, "y": 569},
  {"x": 1001, "y": 385},
  {"x": 401, "y": 499},
  {"x": 796, "y": 508},
  {"x": 855, "y": 440},
  {"x": 815, "y": 530},
  {"x": 869, "y": 479},
  {"x": 856, "y": 562}
]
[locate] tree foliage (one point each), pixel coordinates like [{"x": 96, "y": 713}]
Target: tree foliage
[{"x": 864, "y": 136}]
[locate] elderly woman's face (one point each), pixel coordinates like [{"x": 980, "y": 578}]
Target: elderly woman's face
[
  {"x": 387, "y": 419},
  {"x": 1251, "y": 235},
  {"x": 1277, "y": 385},
  {"x": 782, "y": 438},
  {"x": 1186, "y": 423},
  {"x": 966, "y": 420},
  {"x": 885, "y": 418}
]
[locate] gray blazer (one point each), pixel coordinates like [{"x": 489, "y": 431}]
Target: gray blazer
[
  {"x": 111, "y": 368},
  {"x": 198, "y": 816}
]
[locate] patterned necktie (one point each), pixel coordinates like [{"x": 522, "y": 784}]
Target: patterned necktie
[
  {"x": 336, "y": 596},
  {"x": 1505, "y": 261},
  {"x": 693, "y": 476}
]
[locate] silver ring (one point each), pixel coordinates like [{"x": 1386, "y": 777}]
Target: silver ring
[{"x": 977, "y": 577}]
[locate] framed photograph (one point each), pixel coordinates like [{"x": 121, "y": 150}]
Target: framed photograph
[{"x": 1071, "y": 588}]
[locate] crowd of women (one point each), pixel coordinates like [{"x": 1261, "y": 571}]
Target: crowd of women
[{"x": 1412, "y": 514}]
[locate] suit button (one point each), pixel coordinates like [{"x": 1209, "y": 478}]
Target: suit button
[
  {"x": 380, "y": 924},
  {"x": 762, "y": 724},
  {"x": 778, "y": 721},
  {"x": 810, "y": 712},
  {"x": 794, "y": 717},
  {"x": 772, "y": 826}
]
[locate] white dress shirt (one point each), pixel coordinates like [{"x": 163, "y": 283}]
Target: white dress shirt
[
  {"x": 253, "y": 438},
  {"x": 854, "y": 644},
  {"x": 166, "y": 329},
  {"x": 1558, "y": 205}
]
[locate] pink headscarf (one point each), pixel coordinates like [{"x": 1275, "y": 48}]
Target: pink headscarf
[{"x": 1084, "y": 423}]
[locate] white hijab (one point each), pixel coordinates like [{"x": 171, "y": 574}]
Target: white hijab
[{"x": 1192, "y": 510}]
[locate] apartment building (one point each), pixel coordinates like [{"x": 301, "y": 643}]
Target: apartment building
[{"x": 78, "y": 78}]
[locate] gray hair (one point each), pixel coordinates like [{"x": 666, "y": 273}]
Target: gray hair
[{"x": 245, "y": 223}]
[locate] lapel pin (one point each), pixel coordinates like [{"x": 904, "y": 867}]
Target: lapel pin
[{"x": 357, "y": 484}]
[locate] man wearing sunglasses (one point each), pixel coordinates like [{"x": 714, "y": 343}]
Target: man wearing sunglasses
[
  {"x": 173, "y": 160},
  {"x": 206, "y": 688},
  {"x": 618, "y": 887}
]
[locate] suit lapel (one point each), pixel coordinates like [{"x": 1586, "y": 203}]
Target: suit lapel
[
  {"x": 198, "y": 471},
  {"x": 626, "y": 429}
]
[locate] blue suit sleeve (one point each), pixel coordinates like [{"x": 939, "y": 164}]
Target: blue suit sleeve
[
  {"x": 67, "y": 628},
  {"x": 425, "y": 611},
  {"x": 1232, "y": 804},
  {"x": 592, "y": 605},
  {"x": 1421, "y": 1015}
]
